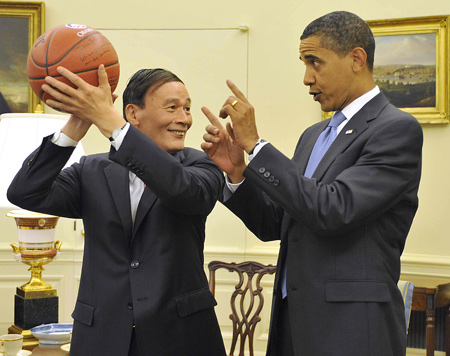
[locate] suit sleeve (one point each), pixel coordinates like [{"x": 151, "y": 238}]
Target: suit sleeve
[
  {"x": 362, "y": 183},
  {"x": 188, "y": 181},
  {"x": 41, "y": 186}
]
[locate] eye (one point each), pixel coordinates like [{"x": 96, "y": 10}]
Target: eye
[{"x": 187, "y": 109}]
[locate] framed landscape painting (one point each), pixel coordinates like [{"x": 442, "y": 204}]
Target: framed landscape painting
[
  {"x": 412, "y": 65},
  {"x": 21, "y": 23}
]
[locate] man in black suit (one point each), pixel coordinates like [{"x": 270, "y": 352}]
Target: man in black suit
[
  {"x": 143, "y": 290},
  {"x": 342, "y": 218}
]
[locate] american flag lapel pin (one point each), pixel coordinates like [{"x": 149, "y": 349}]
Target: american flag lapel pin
[{"x": 348, "y": 132}]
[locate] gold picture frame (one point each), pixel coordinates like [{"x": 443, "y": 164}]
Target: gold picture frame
[
  {"x": 21, "y": 24},
  {"x": 404, "y": 68}
]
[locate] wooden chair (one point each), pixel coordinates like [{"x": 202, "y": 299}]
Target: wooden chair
[{"x": 246, "y": 309}]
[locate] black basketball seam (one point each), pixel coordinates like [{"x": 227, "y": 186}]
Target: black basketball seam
[
  {"x": 48, "y": 45},
  {"x": 82, "y": 71},
  {"x": 46, "y": 65}
]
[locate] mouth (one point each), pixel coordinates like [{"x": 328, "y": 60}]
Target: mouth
[
  {"x": 315, "y": 95},
  {"x": 178, "y": 133}
]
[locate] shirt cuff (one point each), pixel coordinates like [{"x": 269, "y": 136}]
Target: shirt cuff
[
  {"x": 61, "y": 139},
  {"x": 257, "y": 148},
  {"x": 117, "y": 142}
]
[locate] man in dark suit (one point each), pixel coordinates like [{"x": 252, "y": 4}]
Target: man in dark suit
[
  {"x": 342, "y": 219},
  {"x": 143, "y": 290}
]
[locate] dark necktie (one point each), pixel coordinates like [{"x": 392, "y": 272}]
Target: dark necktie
[{"x": 324, "y": 141}]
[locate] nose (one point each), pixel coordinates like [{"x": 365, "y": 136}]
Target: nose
[
  {"x": 184, "y": 117},
  {"x": 308, "y": 78}
]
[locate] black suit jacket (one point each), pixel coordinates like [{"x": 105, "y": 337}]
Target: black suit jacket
[
  {"x": 149, "y": 275},
  {"x": 342, "y": 232}
]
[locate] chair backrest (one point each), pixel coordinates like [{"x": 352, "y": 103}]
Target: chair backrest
[
  {"x": 246, "y": 308},
  {"x": 407, "y": 290}
]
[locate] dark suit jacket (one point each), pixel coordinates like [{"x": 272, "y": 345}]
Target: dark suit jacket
[
  {"x": 342, "y": 232},
  {"x": 150, "y": 274}
]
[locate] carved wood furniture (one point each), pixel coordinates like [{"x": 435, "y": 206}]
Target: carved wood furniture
[
  {"x": 428, "y": 299},
  {"x": 246, "y": 301}
]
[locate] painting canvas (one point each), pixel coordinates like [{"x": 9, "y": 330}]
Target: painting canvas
[
  {"x": 405, "y": 69},
  {"x": 21, "y": 23},
  {"x": 13, "y": 58}
]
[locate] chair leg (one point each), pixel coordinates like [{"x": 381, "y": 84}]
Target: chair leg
[{"x": 430, "y": 330}]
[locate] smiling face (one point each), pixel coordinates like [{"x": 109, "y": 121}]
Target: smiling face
[
  {"x": 165, "y": 117},
  {"x": 329, "y": 76}
]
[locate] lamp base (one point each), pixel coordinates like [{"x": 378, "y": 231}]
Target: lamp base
[
  {"x": 29, "y": 341},
  {"x": 33, "y": 312}
]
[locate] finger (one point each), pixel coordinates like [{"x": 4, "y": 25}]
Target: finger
[
  {"x": 211, "y": 129},
  {"x": 73, "y": 78},
  {"x": 114, "y": 97},
  {"x": 212, "y": 118},
  {"x": 207, "y": 137},
  {"x": 230, "y": 130},
  {"x": 239, "y": 95},
  {"x": 57, "y": 86},
  {"x": 224, "y": 112},
  {"x": 57, "y": 105},
  {"x": 102, "y": 77},
  {"x": 206, "y": 146}
]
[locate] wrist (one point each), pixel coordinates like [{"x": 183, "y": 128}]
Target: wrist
[
  {"x": 116, "y": 132},
  {"x": 259, "y": 142},
  {"x": 237, "y": 175}
]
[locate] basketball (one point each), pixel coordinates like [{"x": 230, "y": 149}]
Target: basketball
[{"x": 79, "y": 48}]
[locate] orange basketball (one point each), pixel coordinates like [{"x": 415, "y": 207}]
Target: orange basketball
[{"x": 79, "y": 48}]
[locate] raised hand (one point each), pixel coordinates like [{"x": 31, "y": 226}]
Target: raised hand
[
  {"x": 87, "y": 102},
  {"x": 220, "y": 146},
  {"x": 242, "y": 115}
]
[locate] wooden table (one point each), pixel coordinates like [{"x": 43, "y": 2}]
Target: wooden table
[
  {"x": 49, "y": 350},
  {"x": 427, "y": 297}
]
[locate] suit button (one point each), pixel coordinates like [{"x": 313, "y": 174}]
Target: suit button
[
  {"x": 276, "y": 182},
  {"x": 129, "y": 164},
  {"x": 134, "y": 264},
  {"x": 271, "y": 179},
  {"x": 130, "y": 305},
  {"x": 262, "y": 170},
  {"x": 267, "y": 174}
]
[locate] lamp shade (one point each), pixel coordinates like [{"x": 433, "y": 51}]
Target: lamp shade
[{"x": 21, "y": 134}]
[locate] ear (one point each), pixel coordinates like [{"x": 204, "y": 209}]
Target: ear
[
  {"x": 359, "y": 57},
  {"x": 131, "y": 112}
]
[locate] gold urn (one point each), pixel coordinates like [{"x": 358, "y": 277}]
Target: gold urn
[{"x": 37, "y": 247}]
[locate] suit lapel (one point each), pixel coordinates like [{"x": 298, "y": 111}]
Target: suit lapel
[
  {"x": 147, "y": 200},
  {"x": 119, "y": 185}
]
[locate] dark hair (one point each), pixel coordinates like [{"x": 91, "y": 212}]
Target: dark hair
[
  {"x": 341, "y": 32},
  {"x": 141, "y": 82}
]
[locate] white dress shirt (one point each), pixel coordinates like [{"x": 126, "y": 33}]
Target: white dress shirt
[
  {"x": 349, "y": 111},
  {"x": 137, "y": 186}
]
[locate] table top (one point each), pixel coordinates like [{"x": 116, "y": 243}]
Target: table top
[{"x": 49, "y": 350}]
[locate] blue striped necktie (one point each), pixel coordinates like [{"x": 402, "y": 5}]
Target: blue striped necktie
[{"x": 324, "y": 141}]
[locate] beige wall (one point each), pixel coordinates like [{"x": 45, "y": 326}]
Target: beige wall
[{"x": 284, "y": 108}]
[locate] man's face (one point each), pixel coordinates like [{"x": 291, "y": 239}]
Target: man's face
[
  {"x": 166, "y": 117},
  {"x": 328, "y": 76}
]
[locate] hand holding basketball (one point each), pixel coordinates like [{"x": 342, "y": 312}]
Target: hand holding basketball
[
  {"x": 90, "y": 103},
  {"x": 79, "y": 48}
]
